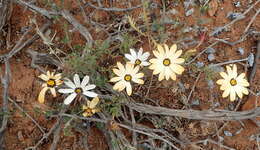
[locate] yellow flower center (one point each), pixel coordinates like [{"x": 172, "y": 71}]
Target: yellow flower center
[
  {"x": 166, "y": 62},
  {"x": 128, "y": 77},
  {"x": 51, "y": 83},
  {"x": 233, "y": 82},
  {"x": 138, "y": 62},
  {"x": 78, "y": 90},
  {"x": 88, "y": 112}
]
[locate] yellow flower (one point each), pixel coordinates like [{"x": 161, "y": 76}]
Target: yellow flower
[
  {"x": 90, "y": 109},
  {"x": 126, "y": 75},
  {"x": 51, "y": 81},
  {"x": 167, "y": 62},
  {"x": 233, "y": 83}
]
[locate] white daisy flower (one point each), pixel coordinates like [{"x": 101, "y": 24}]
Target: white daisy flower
[
  {"x": 233, "y": 84},
  {"x": 77, "y": 88},
  {"x": 138, "y": 58},
  {"x": 126, "y": 75},
  {"x": 167, "y": 62}
]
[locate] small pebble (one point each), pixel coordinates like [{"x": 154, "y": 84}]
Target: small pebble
[
  {"x": 173, "y": 11},
  {"x": 181, "y": 86},
  {"x": 195, "y": 102},
  {"x": 210, "y": 50},
  {"x": 233, "y": 16},
  {"x": 189, "y": 12},
  {"x": 227, "y": 133},
  {"x": 211, "y": 57},
  {"x": 211, "y": 84},
  {"x": 186, "y": 30},
  {"x": 20, "y": 136},
  {"x": 251, "y": 59},
  {"x": 241, "y": 51},
  {"x": 199, "y": 64},
  {"x": 216, "y": 104},
  {"x": 231, "y": 106},
  {"x": 221, "y": 139},
  {"x": 237, "y": 4}
]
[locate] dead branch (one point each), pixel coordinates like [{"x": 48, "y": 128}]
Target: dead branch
[
  {"x": 4, "y": 10},
  {"x": 83, "y": 30},
  {"x": 30, "y": 117},
  {"x": 257, "y": 56},
  {"x": 195, "y": 114},
  {"x": 113, "y": 8},
  {"x": 5, "y": 82},
  {"x": 252, "y": 20}
]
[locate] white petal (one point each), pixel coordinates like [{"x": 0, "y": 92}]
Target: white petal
[
  {"x": 129, "y": 57},
  {"x": 66, "y": 91},
  {"x": 119, "y": 86},
  {"x": 234, "y": 71},
  {"x": 70, "y": 98},
  {"x": 173, "y": 48},
  {"x": 145, "y": 56},
  {"x": 44, "y": 77},
  {"x": 140, "y": 52},
  {"x": 89, "y": 87},
  {"x": 115, "y": 79},
  {"x": 70, "y": 84},
  {"x": 85, "y": 81},
  {"x": 226, "y": 93},
  {"x": 90, "y": 94},
  {"x": 145, "y": 63},
  {"x": 238, "y": 90},
  {"x": 133, "y": 53},
  {"x": 76, "y": 80}
]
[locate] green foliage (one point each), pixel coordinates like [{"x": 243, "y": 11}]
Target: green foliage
[
  {"x": 84, "y": 60},
  {"x": 204, "y": 9},
  {"x": 67, "y": 131},
  {"x": 127, "y": 43},
  {"x": 113, "y": 106}
]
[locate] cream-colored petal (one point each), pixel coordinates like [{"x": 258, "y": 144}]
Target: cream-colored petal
[
  {"x": 58, "y": 82},
  {"x": 166, "y": 48},
  {"x": 42, "y": 93},
  {"x": 161, "y": 50},
  {"x": 177, "y": 54},
  {"x": 232, "y": 94},
  {"x": 229, "y": 71},
  {"x": 224, "y": 75},
  {"x": 48, "y": 73},
  {"x": 153, "y": 60},
  {"x": 226, "y": 93},
  {"x": 161, "y": 75},
  {"x": 128, "y": 88},
  {"x": 44, "y": 77},
  {"x": 84, "y": 106},
  {"x": 220, "y": 81},
  {"x": 243, "y": 82},
  {"x": 178, "y": 69},
  {"x": 241, "y": 76},
  {"x": 57, "y": 76},
  {"x": 135, "y": 70},
  {"x": 179, "y": 61},
  {"x": 129, "y": 68},
  {"x": 168, "y": 73},
  {"x": 245, "y": 90},
  {"x": 157, "y": 54},
  {"x": 115, "y": 79},
  {"x": 225, "y": 85},
  {"x": 173, "y": 48},
  {"x": 139, "y": 81},
  {"x": 94, "y": 102},
  {"x": 238, "y": 91},
  {"x": 173, "y": 76},
  {"x": 120, "y": 66},
  {"x": 118, "y": 72},
  {"x": 52, "y": 74},
  {"x": 139, "y": 75},
  {"x": 119, "y": 86},
  {"x": 53, "y": 92}
]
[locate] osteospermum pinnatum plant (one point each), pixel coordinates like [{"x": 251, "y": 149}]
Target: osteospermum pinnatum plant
[
  {"x": 167, "y": 62},
  {"x": 125, "y": 76},
  {"x": 51, "y": 81},
  {"x": 233, "y": 84},
  {"x": 77, "y": 88},
  {"x": 138, "y": 58}
]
